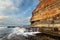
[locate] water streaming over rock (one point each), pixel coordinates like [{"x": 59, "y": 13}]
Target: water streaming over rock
[{"x": 17, "y": 34}]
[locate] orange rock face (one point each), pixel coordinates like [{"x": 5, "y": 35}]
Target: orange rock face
[
  {"x": 46, "y": 9},
  {"x": 44, "y": 3}
]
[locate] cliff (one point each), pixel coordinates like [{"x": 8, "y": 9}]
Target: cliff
[{"x": 46, "y": 9}]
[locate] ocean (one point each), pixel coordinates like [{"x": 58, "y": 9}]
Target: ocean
[
  {"x": 15, "y": 33},
  {"x": 9, "y": 33}
]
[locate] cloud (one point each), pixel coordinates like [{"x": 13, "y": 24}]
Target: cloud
[
  {"x": 3, "y": 16},
  {"x": 16, "y": 12},
  {"x": 11, "y": 8},
  {"x": 27, "y": 10},
  {"x": 2, "y": 8},
  {"x": 6, "y": 3},
  {"x": 24, "y": 21}
]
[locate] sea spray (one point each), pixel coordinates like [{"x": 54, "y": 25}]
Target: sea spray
[
  {"x": 21, "y": 31},
  {"x": 16, "y": 31},
  {"x": 5, "y": 31}
]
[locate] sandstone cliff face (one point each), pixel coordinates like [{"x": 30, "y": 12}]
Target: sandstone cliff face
[
  {"x": 44, "y": 3},
  {"x": 47, "y": 12},
  {"x": 46, "y": 9}
]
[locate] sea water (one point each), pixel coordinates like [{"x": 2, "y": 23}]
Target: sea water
[
  {"x": 4, "y": 31},
  {"x": 9, "y": 33}
]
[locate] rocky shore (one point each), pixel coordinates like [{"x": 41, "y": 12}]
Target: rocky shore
[
  {"x": 20, "y": 37},
  {"x": 16, "y": 37}
]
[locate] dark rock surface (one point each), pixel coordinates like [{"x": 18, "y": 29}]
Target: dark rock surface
[
  {"x": 35, "y": 37},
  {"x": 16, "y": 37}
]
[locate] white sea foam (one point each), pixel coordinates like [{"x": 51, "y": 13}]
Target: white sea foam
[
  {"x": 20, "y": 31},
  {"x": 12, "y": 32}
]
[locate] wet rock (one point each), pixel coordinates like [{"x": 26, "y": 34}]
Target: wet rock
[{"x": 16, "y": 37}]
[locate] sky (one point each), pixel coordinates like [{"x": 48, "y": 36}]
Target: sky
[{"x": 16, "y": 12}]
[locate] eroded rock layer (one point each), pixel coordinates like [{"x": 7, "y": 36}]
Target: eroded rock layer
[{"x": 47, "y": 12}]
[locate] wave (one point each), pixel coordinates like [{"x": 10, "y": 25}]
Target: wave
[{"x": 17, "y": 31}]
